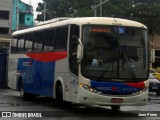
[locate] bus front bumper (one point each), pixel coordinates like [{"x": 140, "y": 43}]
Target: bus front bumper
[{"x": 89, "y": 98}]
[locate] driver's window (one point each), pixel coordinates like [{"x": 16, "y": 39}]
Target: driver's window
[{"x": 74, "y": 35}]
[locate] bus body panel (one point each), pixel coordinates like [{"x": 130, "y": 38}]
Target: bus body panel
[
  {"x": 40, "y": 71},
  {"x": 38, "y": 76},
  {"x": 62, "y": 75},
  {"x": 12, "y": 70}
]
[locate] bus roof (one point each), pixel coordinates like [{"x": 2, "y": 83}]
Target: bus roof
[
  {"x": 85, "y": 21},
  {"x": 107, "y": 21}
]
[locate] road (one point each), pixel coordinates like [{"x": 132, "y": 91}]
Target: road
[{"x": 45, "y": 107}]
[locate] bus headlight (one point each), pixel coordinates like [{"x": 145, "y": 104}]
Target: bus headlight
[
  {"x": 140, "y": 91},
  {"x": 88, "y": 88}
]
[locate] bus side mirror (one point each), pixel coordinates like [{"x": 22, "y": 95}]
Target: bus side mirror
[{"x": 79, "y": 51}]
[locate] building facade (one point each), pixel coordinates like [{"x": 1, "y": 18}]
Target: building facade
[
  {"x": 155, "y": 40},
  {"x": 8, "y": 16},
  {"x": 25, "y": 15},
  {"x": 5, "y": 16},
  {"x": 13, "y": 14}
]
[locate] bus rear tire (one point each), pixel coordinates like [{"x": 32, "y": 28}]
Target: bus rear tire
[
  {"x": 23, "y": 94},
  {"x": 115, "y": 108}
]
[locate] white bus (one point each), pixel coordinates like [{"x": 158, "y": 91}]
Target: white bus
[{"x": 90, "y": 60}]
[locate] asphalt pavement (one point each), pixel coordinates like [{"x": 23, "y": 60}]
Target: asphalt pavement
[{"x": 45, "y": 108}]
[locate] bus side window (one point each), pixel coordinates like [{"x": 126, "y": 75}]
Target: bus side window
[
  {"x": 73, "y": 43},
  {"x": 52, "y": 38},
  {"x": 13, "y": 44},
  {"x": 61, "y": 38},
  {"x": 20, "y": 43},
  {"x": 46, "y": 39},
  {"x": 38, "y": 40},
  {"x": 28, "y": 42},
  {"x": 49, "y": 36}
]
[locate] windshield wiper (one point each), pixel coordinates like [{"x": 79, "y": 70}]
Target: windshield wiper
[
  {"x": 110, "y": 66},
  {"x": 125, "y": 59}
]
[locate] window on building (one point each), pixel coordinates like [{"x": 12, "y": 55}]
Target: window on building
[
  {"x": 157, "y": 59},
  {"x": 4, "y": 30},
  {"x": 28, "y": 19},
  {"x": 157, "y": 53},
  {"x": 21, "y": 19},
  {"x": 4, "y": 15}
]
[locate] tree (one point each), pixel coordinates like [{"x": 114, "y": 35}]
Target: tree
[
  {"x": 149, "y": 14},
  {"x": 66, "y": 8},
  {"x": 118, "y": 8},
  {"x": 144, "y": 11},
  {"x": 52, "y": 9}
]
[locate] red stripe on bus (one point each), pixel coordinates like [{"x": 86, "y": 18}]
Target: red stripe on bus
[
  {"x": 137, "y": 85},
  {"x": 47, "y": 56}
]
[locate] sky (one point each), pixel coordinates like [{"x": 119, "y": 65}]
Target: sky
[{"x": 34, "y": 3}]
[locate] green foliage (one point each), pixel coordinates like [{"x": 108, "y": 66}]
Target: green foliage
[
  {"x": 149, "y": 14},
  {"x": 144, "y": 11}
]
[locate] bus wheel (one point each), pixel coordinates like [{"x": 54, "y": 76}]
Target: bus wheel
[
  {"x": 59, "y": 95},
  {"x": 115, "y": 108},
  {"x": 23, "y": 95},
  {"x": 158, "y": 93}
]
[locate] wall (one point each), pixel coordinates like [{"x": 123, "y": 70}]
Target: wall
[
  {"x": 6, "y": 5},
  {"x": 156, "y": 41},
  {"x": 25, "y": 11},
  {"x": 14, "y": 21}
]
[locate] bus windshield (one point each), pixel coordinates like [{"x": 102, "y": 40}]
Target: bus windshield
[{"x": 115, "y": 53}]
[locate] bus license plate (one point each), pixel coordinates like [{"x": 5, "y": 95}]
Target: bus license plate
[
  {"x": 155, "y": 88},
  {"x": 116, "y": 100}
]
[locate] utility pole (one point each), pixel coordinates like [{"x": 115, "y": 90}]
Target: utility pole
[
  {"x": 101, "y": 9},
  {"x": 17, "y": 15},
  {"x": 30, "y": 2},
  {"x": 97, "y": 6},
  {"x": 95, "y": 10},
  {"x": 44, "y": 11}
]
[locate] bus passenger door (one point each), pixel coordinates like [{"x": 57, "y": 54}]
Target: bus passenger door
[{"x": 73, "y": 44}]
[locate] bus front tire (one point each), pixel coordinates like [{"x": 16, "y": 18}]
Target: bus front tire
[
  {"x": 115, "y": 108},
  {"x": 59, "y": 95},
  {"x": 59, "y": 98},
  {"x": 158, "y": 93}
]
